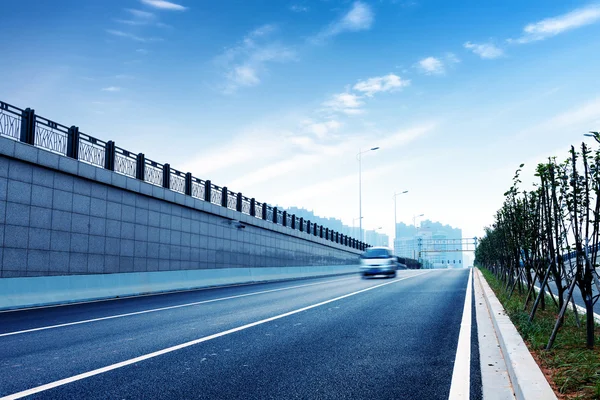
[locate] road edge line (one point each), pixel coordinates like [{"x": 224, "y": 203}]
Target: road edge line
[{"x": 460, "y": 386}]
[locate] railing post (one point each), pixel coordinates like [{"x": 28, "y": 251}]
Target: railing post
[
  {"x": 188, "y": 183},
  {"x": 294, "y": 221},
  {"x": 140, "y": 167},
  {"x": 275, "y": 215},
  {"x": 326, "y": 233},
  {"x": 166, "y": 176},
  {"x": 301, "y": 224},
  {"x": 321, "y": 231},
  {"x": 308, "y": 227},
  {"x": 207, "y": 190},
  {"x": 316, "y": 231},
  {"x": 73, "y": 142},
  {"x": 238, "y": 202},
  {"x": 224, "y": 195},
  {"x": 253, "y": 207},
  {"x": 109, "y": 155},
  {"x": 284, "y": 222},
  {"x": 28, "y": 126},
  {"x": 264, "y": 211}
]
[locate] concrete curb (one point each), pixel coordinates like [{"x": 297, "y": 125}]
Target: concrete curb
[{"x": 529, "y": 383}]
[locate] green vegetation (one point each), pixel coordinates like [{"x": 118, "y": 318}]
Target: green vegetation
[{"x": 572, "y": 369}]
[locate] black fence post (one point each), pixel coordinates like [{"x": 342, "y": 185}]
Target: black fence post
[
  {"x": 140, "y": 167},
  {"x": 166, "y": 176},
  {"x": 294, "y": 221},
  {"x": 326, "y": 233},
  {"x": 308, "y": 227},
  {"x": 253, "y": 207},
  {"x": 275, "y": 215},
  {"x": 28, "y": 126},
  {"x": 301, "y": 224},
  {"x": 238, "y": 202},
  {"x": 224, "y": 195},
  {"x": 284, "y": 217},
  {"x": 316, "y": 230},
  {"x": 188, "y": 183},
  {"x": 109, "y": 155},
  {"x": 264, "y": 211},
  {"x": 73, "y": 142},
  {"x": 321, "y": 231},
  {"x": 207, "y": 190}
]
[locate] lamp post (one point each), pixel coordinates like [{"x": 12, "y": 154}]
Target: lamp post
[
  {"x": 415, "y": 219},
  {"x": 358, "y": 156},
  {"x": 395, "y": 219}
]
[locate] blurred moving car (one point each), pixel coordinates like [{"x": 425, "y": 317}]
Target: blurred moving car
[{"x": 378, "y": 261}]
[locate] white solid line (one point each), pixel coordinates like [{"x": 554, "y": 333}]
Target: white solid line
[
  {"x": 102, "y": 370},
  {"x": 461, "y": 381},
  {"x": 165, "y": 308}
]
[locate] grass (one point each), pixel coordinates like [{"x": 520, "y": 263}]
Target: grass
[{"x": 572, "y": 370}]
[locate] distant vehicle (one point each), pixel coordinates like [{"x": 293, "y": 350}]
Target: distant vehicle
[{"x": 378, "y": 261}]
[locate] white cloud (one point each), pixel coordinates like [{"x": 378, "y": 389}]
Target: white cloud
[
  {"x": 347, "y": 103},
  {"x": 431, "y": 66},
  {"x": 243, "y": 75},
  {"x": 244, "y": 64},
  {"x": 111, "y": 89},
  {"x": 164, "y": 5},
  {"x": 553, "y": 26},
  {"x": 140, "y": 14},
  {"x": 141, "y": 51},
  {"x": 298, "y": 8},
  {"x": 386, "y": 83},
  {"x": 359, "y": 18},
  {"x": 485, "y": 50},
  {"x": 322, "y": 129},
  {"x": 132, "y": 36}
]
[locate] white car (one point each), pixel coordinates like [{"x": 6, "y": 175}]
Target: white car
[{"x": 378, "y": 261}]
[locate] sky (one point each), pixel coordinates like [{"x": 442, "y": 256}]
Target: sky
[{"x": 275, "y": 98}]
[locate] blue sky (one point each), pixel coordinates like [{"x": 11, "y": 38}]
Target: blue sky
[{"x": 275, "y": 98}]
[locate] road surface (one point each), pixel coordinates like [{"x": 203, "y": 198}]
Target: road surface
[{"x": 323, "y": 338}]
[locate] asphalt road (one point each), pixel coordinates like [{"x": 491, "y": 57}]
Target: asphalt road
[{"x": 325, "y": 338}]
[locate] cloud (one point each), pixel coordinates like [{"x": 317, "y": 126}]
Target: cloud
[
  {"x": 132, "y": 36},
  {"x": 141, "y": 14},
  {"x": 347, "y": 103},
  {"x": 142, "y": 51},
  {"x": 359, "y": 18},
  {"x": 245, "y": 63},
  {"x": 298, "y": 8},
  {"x": 436, "y": 65},
  {"x": 553, "y": 26},
  {"x": 164, "y": 5},
  {"x": 111, "y": 89},
  {"x": 485, "y": 50},
  {"x": 431, "y": 66},
  {"x": 387, "y": 83},
  {"x": 321, "y": 129}
]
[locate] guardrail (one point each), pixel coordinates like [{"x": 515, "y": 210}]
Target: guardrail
[{"x": 27, "y": 127}]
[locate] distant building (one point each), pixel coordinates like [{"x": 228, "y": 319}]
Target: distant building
[
  {"x": 431, "y": 242},
  {"x": 371, "y": 237}
]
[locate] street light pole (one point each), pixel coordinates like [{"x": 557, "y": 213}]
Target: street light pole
[
  {"x": 395, "y": 219},
  {"x": 360, "y": 189}
]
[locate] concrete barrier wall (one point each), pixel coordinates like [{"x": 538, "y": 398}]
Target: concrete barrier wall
[
  {"x": 59, "y": 216},
  {"x": 48, "y": 290}
]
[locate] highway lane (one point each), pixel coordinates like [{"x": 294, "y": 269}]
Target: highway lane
[{"x": 397, "y": 340}]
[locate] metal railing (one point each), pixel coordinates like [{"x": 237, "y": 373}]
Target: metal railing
[{"x": 27, "y": 127}]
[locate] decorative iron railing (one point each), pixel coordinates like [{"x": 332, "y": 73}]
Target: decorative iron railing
[
  {"x": 27, "y": 127},
  {"x": 51, "y": 135},
  {"x": 10, "y": 120}
]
